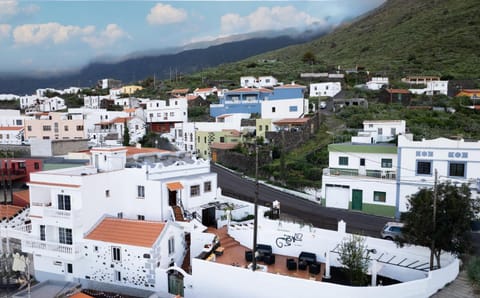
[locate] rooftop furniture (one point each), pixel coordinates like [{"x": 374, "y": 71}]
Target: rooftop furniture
[
  {"x": 291, "y": 264},
  {"x": 314, "y": 268},
  {"x": 308, "y": 257},
  {"x": 249, "y": 255},
  {"x": 302, "y": 265}
]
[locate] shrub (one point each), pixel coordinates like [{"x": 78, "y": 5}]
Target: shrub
[{"x": 473, "y": 270}]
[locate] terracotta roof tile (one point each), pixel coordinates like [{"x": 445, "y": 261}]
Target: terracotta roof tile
[
  {"x": 403, "y": 91},
  {"x": 126, "y": 231},
  {"x": 291, "y": 121},
  {"x": 174, "y": 186},
  {"x": 223, "y": 146},
  {"x": 11, "y": 127},
  {"x": 8, "y": 211},
  {"x": 81, "y": 295},
  {"x": 22, "y": 197}
]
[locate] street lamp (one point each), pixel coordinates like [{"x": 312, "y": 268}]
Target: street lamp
[{"x": 255, "y": 212}]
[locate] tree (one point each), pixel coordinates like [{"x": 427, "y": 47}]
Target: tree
[
  {"x": 126, "y": 134},
  {"x": 354, "y": 255},
  {"x": 309, "y": 57},
  {"x": 450, "y": 231}
]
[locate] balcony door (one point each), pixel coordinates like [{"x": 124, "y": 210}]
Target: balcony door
[{"x": 64, "y": 202}]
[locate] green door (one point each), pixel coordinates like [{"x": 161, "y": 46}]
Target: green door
[{"x": 357, "y": 199}]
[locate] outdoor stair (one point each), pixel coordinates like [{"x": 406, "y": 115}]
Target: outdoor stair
[
  {"x": 186, "y": 265},
  {"x": 178, "y": 213},
  {"x": 226, "y": 241}
]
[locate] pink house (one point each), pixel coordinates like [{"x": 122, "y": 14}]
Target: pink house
[{"x": 55, "y": 126}]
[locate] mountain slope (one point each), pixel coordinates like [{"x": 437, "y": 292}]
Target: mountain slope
[
  {"x": 401, "y": 37},
  {"x": 162, "y": 66}
]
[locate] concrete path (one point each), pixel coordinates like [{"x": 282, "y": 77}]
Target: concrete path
[{"x": 459, "y": 288}]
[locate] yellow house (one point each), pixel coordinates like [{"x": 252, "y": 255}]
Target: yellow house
[{"x": 130, "y": 89}]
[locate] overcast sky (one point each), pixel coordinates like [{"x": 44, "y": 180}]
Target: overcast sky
[{"x": 62, "y": 35}]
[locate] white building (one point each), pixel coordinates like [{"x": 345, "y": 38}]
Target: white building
[
  {"x": 95, "y": 101},
  {"x": 361, "y": 177},
  {"x": 12, "y": 118},
  {"x": 433, "y": 88},
  {"x": 379, "y": 131},
  {"x": 34, "y": 104},
  {"x": 185, "y": 133},
  {"x": 377, "y": 83},
  {"x": 205, "y": 92},
  {"x": 74, "y": 212},
  {"x": 11, "y": 135},
  {"x": 456, "y": 161},
  {"x": 285, "y": 108},
  {"x": 260, "y": 82},
  {"x": 325, "y": 89},
  {"x": 116, "y": 227}
]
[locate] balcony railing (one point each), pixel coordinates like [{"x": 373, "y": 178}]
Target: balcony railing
[
  {"x": 52, "y": 212},
  {"x": 49, "y": 248},
  {"x": 353, "y": 172}
]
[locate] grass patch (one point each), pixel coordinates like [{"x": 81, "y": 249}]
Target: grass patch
[{"x": 473, "y": 270}]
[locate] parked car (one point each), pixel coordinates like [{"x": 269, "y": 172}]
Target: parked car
[
  {"x": 392, "y": 230},
  {"x": 323, "y": 104}
]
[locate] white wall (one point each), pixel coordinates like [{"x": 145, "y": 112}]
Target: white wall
[
  {"x": 282, "y": 108},
  {"x": 325, "y": 89}
]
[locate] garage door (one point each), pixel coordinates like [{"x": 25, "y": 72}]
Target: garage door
[{"x": 337, "y": 196}]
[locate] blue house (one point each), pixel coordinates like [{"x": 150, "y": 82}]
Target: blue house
[{"x": 248, "y": 100}]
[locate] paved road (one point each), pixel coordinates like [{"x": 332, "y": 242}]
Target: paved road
[{"x": 232, "y": 184}]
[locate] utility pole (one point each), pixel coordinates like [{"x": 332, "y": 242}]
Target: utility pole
[
  {"x": 434, "y": 216},
  {"x": 255, "y": 212}
]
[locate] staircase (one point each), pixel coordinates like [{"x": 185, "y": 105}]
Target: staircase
[
  {"x": 186, "y": 259},
  {"x": 225, "y": 240},
  {"x": 178, "y": 213}
]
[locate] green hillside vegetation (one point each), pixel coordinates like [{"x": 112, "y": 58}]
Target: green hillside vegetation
[{"x": 401, "y": 37}]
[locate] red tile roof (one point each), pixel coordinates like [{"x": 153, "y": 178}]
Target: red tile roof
[
  {"x": 292, "y": 121},
  {"x": 252, "y": 90},
  {"x": 8, "y": 211},
  {"x": 204, "y": 90},
  {"x": 21, "y": 198},
  {"x": 126, "y": 231},
  {"x": 233, "y": 132},
  {"x": 181, "y": 91},
  {"x": 81, "y": 295},
  {"x": 223, "y": 146},
  {"x": 403, "y": 91},
  {"x": 291, "y": 86},
  {"x": 174, "y": 186},
  {"x": 11, "y": 127}
]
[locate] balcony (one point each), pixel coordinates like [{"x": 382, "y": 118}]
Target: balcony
[
  {"x": 54, "y": 216},
  {"x": 51, "y": 249},
  {"x": 390, "y": 175}
]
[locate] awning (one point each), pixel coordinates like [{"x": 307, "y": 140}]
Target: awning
[{"x": 174, "y": 186}]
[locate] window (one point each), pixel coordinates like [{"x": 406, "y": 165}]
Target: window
[
  {"x": 343, "y": 160},
  {"x": 171, "y": 245},
  {"x": 222, "y": 139},
  {"x": 379, "y": 196},
  {"x": 380, "y": 131},
  {"x": 18, "y": 122},
  {"x": 47, "y": 128},
  {"x": 362, "y": 162},
  {"x": 140, "y": 191},
  {"x": 120, "y": 215},
  {"x": 194, "y": 190},
  {"x": 456, "y": 169},
  {"x": 42, "y": 232},
  {"x": 64, "y": 202},
  {"x": 117, "y": 275},
  {"x": 69, "y": 268},
  {"x": 386, "y": 162},
  {"x": 266, "y": 127},
  {"x": 141, "y": 217},
  {"x": 116, "y": 253},
  {"x": 424, "y": 168},
  {"x": 260, "y": 128},
  {"x": 79, "y": 127},
  {"x": 107, "y": 193},
  {"x": 207, "y": 186},
  {"x": 36, "y": 165},
  {"x": 293, "y": 108},
  {"x": 273, "y": 109},
  {"x": 65, "y": 128},
  {"x": 393, "y": 131},
  {"x": 65, "y": 235},
  {"x": 46, "y": 137}
]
